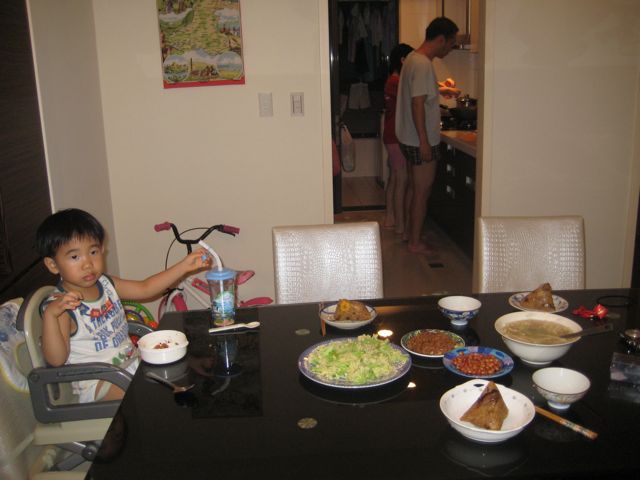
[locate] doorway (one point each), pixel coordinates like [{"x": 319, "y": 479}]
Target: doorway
[{"x": 362, "y": 34}]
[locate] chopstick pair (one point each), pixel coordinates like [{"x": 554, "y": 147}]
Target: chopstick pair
[
  {"x": 323, "y": 326},
  {"x": 590, "y": 434}
]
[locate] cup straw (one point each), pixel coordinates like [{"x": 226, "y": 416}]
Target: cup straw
[{"x": 218, "y": 264}]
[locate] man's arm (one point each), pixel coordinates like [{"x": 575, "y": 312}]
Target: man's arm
[{"x": 418, "y": 115}]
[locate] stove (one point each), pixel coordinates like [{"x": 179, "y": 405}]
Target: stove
[{"x": 450, "y": 123}]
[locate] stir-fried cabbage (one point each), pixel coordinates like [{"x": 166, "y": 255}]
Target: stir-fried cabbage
[{"x": 356, "y": 361}]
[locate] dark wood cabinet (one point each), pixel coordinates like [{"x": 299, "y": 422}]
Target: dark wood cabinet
[
  {"x": 452, "y": 203},
  {"x": 24, "y": 190}
]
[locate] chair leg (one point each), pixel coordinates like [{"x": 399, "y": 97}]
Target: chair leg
[
  {"x": 69, "y": 463},
  {"x": 79, "y": 453}
]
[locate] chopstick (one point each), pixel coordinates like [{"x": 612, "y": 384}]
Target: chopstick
[
  {"x": 590, "y": 434},
  {"x": 323, "y": 326}
]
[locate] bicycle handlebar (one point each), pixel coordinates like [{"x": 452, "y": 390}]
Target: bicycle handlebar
[
  {"x": 162, "y": 226},
  {"x": 228, "y": 229}
]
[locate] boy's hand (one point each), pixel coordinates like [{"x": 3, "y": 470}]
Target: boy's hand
[
  {"x": 63, "y": 302},
  {"x": 198, "y": 260}
]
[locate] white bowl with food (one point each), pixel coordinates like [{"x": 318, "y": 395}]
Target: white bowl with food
[
  {"x": 534, "y": 337},
  {"x": 351, "y": 320},
  {"x": 163, "y": 346},
  {"x": 455, "y": 403},
  {"x": 560, "y": 387},
  {"x": 459, "y": 309}
]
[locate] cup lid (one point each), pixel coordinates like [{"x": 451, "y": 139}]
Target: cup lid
[{"x": 224, "y": 274}]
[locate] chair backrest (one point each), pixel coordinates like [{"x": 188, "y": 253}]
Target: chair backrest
[
  {"x": 30, "y": 322},
  {"x": 316, "y": 263},
  {"x": 520, "y": 253},
  {"x": 17, "y": 451}
]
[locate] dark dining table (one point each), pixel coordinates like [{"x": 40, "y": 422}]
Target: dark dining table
[{"x": 252, "y": 414}]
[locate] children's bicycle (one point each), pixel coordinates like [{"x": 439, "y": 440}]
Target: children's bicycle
[{"x": 194, "y": 288}]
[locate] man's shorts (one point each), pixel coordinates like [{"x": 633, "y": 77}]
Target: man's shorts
[{"x": 412, "y": 154}]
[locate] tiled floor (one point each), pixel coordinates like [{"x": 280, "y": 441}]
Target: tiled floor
[
  {"x": 407, "y": 274},
  {"x": 359, "y": 191}
]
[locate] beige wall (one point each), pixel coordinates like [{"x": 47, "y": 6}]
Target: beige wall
[
  {"x": 196, "y": 156},
  {"x": 67, "y": 76},
  {"x": 559, "y": 121}
]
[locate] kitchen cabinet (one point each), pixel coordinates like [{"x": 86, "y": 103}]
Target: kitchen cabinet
[
  {"x": 466, "y": 15},
  {"x": 452, "y": 203}
]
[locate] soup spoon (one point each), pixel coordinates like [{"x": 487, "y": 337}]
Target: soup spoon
[
  {"x": 234, "y": 326},
  {"x": 607, "y": 327}
]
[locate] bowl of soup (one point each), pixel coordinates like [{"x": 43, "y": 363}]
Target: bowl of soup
[{"x": 536, "y": 337}]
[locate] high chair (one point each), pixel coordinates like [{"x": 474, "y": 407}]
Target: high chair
[{"x": 60, "y": 419}]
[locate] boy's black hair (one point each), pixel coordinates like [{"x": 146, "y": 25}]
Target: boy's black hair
[
  {"x": 64, "y": 226},
  {"x": 441, "y": 26},
  {"x": 395, "y": 59}
]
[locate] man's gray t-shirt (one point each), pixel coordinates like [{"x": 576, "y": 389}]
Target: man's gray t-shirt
[{"x": 417, "y": 78}]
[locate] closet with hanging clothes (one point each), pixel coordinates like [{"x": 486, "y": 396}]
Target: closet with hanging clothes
[{"x": 363, "y": 33}]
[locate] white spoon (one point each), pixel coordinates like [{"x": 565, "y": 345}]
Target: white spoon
[{"x": 234, "y": 326}]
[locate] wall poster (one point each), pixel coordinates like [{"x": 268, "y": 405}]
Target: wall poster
[{"x": 201, "y": 42}]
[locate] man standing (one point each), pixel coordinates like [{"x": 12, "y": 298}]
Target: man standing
[{"x": 418, "y": 120}]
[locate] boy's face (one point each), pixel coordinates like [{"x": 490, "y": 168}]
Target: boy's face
[{"x": 79, "y": 262}]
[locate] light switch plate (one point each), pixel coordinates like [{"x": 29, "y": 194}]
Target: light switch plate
[
  {"x": 297, "y": 104},
  {"x": 265, "y": 104}
]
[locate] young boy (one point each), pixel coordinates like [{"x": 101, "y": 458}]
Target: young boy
[{"x": 84, "y": 320}]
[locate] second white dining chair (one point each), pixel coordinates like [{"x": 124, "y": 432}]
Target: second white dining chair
[
  {"x": 519, "y": 253},
  {"x": 315, "y": 263}
]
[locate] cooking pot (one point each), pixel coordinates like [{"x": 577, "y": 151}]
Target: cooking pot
[{"x": 466, "y": 108}]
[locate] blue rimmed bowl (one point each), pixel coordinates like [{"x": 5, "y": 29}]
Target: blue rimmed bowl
[
  {"x": 505, "y": 360},
  {"x": 458, "y": 309}
]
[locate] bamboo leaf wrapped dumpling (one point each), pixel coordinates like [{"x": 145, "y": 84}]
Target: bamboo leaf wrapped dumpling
[
  {"x": 489, "y": 410},
  {"x": 351, "y": 310}
]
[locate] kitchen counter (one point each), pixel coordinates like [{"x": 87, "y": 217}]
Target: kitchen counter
[{"x": 465, "y": 141}]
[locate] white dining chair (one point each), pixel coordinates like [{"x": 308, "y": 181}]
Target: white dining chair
[
  {"x": 520, "y": 253},
  {"x": 315, "y": 263}
]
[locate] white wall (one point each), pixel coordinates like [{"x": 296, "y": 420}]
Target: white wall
[
  {"x": 64, "y": 46},
  {"x": 559, "y": 119},
  {"x": 194, "y": 156}
]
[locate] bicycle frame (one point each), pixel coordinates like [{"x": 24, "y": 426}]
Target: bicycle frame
[{"x": 194, "y": 287}]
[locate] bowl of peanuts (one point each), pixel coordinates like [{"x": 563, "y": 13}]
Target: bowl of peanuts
[{"x": 478, "y": 362}]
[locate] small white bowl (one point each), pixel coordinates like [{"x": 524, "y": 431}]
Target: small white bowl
[
  {"x": 328, "y": 312},
  {"x": 176, "y": 346},
  {"x": 455, "y": 402},
  {"x": 459, "y": 309},
  {"x": 534, "y": 353},
  {"x": 560, "y": 387}
]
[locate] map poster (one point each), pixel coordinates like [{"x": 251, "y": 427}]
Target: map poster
[{"x": 201, "y": 42}]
